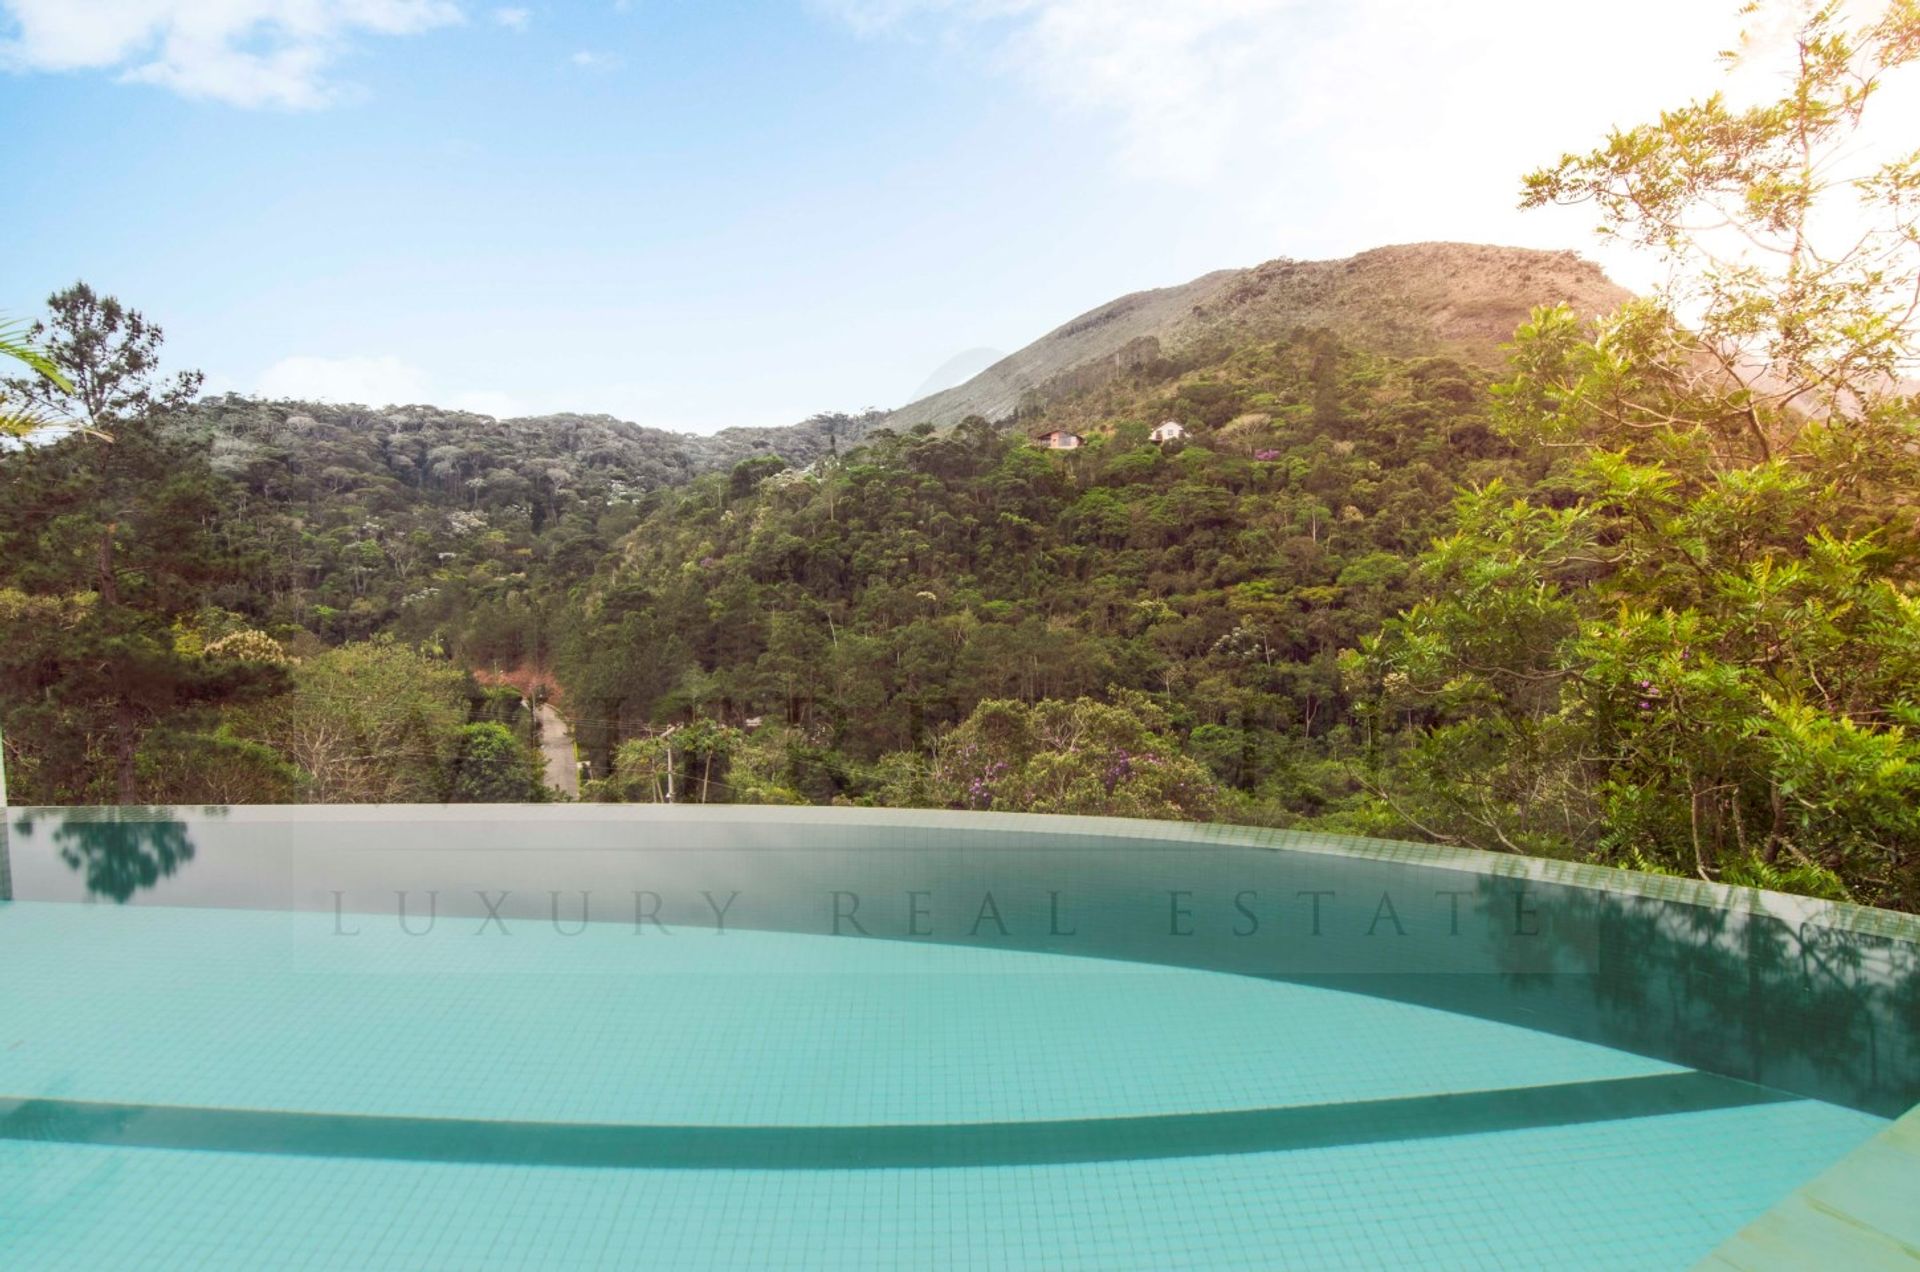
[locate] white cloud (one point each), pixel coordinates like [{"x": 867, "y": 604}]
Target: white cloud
[
  {"x": 514, "y": 19},
  {"x": 488, "y": 402},
  {"x": 1373, "y": 119},
  {"x": 1179, "y": 79},
  {"x": 588, "y": 60},
  {"x": 366, "y": 381},
  {"x": 244, "y": 52}
]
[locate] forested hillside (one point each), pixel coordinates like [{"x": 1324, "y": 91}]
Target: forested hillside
[
  {"x": 860, "y": 608},
  {"x": 856, "y": 602},
  {"x": 408, "y": 518}
]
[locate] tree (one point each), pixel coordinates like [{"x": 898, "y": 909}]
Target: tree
[
  {"x": 641, "y": 773},
  {"x": 704, "y": 750},
  {"x": 214, "y": 767},
  {"x": 371, "y": 722},
  {"x": 1696, "y": 645},
  {"x": 1082, "y": 756},
  {"x": 106, "y": 360},
  {"x": 122, "y": 530},
  {"x": 491, "y": 766}
]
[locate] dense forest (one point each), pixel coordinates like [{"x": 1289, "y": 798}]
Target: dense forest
[
  {"x": 1649, "y": 596},
  {"x": 863, "y": 609}
]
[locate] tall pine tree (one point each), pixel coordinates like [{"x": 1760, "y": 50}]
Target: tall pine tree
[{"x": 108, "y": 537}]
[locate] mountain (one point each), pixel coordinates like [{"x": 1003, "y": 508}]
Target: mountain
[
  {"x": 1458, "y": 299},
  {"x": 858, "y": 611},
  {"x": 1331, "y": 410},
  {"x": 1455, "y": 299},
  {"x": 406, "y": 517},
  {"x": 410, "y": 518}
]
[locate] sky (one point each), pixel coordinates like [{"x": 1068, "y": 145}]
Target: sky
[{"x": 702, "y": 213}]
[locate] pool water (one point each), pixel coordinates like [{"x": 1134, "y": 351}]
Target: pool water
[{"x": 214, "y": 1088}]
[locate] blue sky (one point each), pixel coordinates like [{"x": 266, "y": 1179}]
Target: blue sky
[{"x": 701, "y": 214}]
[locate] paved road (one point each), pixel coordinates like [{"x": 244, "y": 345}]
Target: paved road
[{"x": 556, "y": 744}]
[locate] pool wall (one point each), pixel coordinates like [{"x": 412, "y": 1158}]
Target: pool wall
[{"x": 1810, "y": 997}]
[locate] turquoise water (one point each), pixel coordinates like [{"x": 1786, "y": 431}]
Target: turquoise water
[{"x": 200, "y": 1088}]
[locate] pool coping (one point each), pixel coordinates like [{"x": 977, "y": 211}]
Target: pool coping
[
  {"x": 1860, "y": 1213},
  {"x": 1789, "y": 908}
]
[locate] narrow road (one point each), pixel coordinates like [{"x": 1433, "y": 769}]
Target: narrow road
[{"x": 556, "y": 744}]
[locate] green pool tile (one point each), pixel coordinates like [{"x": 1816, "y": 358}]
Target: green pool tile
[
  {"x": 197, "y": 1089},
  {"x": 208, "y": 1068}
]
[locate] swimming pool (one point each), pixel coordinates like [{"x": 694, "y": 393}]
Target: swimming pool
[{"x": 397, "y": 1039}]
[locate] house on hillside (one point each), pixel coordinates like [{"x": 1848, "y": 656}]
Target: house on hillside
[
  {"x": 1171, "y": 431},
  {"x": 1059, "y": 439}
]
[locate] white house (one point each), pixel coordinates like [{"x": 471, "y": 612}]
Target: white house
[
  {"x": 1170, "y": 431},
  {"x": 1059, "y": 439}
]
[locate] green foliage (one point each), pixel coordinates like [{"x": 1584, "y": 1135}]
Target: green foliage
[
  {"x": 864, "y": 609},
  {"x": 1083, "y": 756},
  {"x": 492, "y": 766},
  {"x": 749, "y": 473},
  {"x": 216, "y": 768},
  {"x": 704, "y": 750},
  {"x": 1694, "y": 644},
  {"x": 502, "y": 705},
  {"x": 115, "y": 540},
  {"x": 1787, "y": 316},
  {"x": 875, "y": 601},
  {"x": 104, "y": 361},
  {"x": 371, "y": 722},
  {"x": 706, "y": 762},
  {"x": 19, "y": 414}
]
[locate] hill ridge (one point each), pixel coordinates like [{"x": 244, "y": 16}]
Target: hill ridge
[{"x": 1461, "y": 299}]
